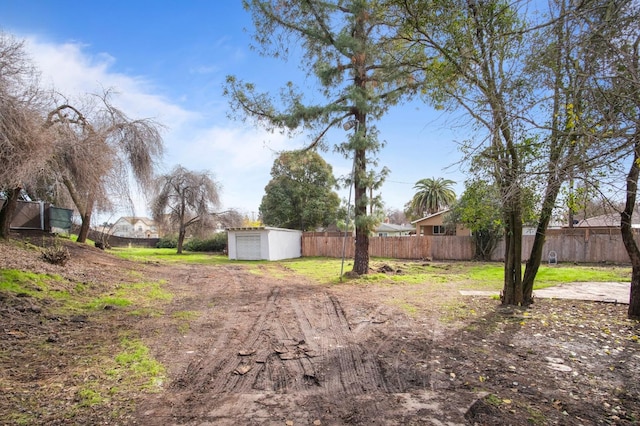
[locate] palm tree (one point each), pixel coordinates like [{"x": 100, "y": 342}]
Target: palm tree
[{"x": 432, "y": 196}]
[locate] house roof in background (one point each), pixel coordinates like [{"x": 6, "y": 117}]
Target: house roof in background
[
  {"x": 390, "y": 227},
  {"x": 430, "y": 216},
  {"x": 611, "y": 220},
  {"x": 133, "y": 219}
]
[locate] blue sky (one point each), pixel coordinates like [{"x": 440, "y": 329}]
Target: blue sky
[{"x": 168, "y": 60}]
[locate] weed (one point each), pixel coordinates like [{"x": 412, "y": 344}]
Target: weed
[
  {"x": 453, "y": 312},
  {"x": 408, "y": 308},
  {"x": 183, "y": 318},
  {"x": 536, "y": 417},
  {"x": 185, "y": 315},
  {"x": 494, "y": 400},
  {"x": 20, "y": 419},
  {"x": 89, "y": 397}
]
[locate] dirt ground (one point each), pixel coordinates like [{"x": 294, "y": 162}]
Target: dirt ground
[{"x": 268, "y": 347}]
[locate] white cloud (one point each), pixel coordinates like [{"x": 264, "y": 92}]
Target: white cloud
[
  {"x": 240, "y": 159},
  {"x": 72, "y": 71}
]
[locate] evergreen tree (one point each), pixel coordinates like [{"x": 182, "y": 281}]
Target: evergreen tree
[{"x": 347, "y": 48}]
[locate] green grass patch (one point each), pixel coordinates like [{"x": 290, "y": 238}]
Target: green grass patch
[
  {"x": 135, "y": 365},
  {"x": 167, "y": 255},
  {"x": 470, "y": 275},
  {"x": 451, "y": 312},
  {"x": 147, "y": 312},
  {"x": 38, "y": 286},
  {"x": 407, "y": 307},
  {"x": 145, "y": 291},
  {"x": 20, "y": 419},
  {"x": 142, "y": 295},
  {"x": 490, "y": 276},
  {"x": 114, "y": 378},
  {"x": 89, "y": 397},
  {"x": 184, "y": 318},
  {"x": 103, "y": 302},
  {"x": 561, "y": 274},
  {"x": 320, "y": 269},
  {"x": 185, "y": 315},
  {"x": 29, "y": 283}
]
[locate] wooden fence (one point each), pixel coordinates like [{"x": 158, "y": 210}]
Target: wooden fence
[
  {"x": 423, "y": 247},
  {"x": 115, "y": 241},
  {"x": 582, "y": 246}
]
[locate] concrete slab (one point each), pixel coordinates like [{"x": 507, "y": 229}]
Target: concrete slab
[{"x": 613, "y": 292}]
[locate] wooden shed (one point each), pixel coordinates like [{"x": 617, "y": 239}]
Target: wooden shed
[{"x": 263, "y": 243}]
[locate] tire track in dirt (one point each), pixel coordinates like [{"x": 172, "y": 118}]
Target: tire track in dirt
[
  {"x": 213, "y": 371},
  {"x": 271, "y": 344}
]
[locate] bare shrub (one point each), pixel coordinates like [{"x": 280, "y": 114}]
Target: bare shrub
[{"x": 57, "y": 254}]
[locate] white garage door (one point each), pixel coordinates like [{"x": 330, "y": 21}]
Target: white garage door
[{"x": 248, "y": 247}]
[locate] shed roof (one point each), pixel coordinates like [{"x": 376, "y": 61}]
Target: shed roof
[{"x": 261, "y": 228}]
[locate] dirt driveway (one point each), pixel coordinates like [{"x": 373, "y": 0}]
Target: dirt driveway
[{"x": 285, "y": 351}]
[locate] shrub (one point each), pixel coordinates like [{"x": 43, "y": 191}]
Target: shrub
[
  {"x": 56, "y": 254},
  {"x": 167, "y": 242},
  {"x": 216, "y": 244}
]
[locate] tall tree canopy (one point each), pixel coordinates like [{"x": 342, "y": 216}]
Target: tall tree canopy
[
  {"x": 300, "y": 193},
  {"x": 24, "y": 145},
  {"x": 347, "y": 48},
  {"x": 613, "y": 31},
  {"x": 99, "y": 147},
  {"x": 432, "y": 195},
  {"x": 521, "y": 82},
  {"x": 185, "y": 198}
]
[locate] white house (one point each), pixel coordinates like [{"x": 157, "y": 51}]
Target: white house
[
  {"x": 135, "y": 227},
  {"x": 263, "y": 243}
]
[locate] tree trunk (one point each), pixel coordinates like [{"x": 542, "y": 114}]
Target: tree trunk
[
  {"x": 7, "y": 210},
  {"x": 85, "y": 209},
  {"x": 634, "y": 297},
  {"x": 535, "y": 257},
  {"x": 512, "y": 292},
  {"x": 627, "y": 231},
  {"x": 84, "y": 227},
  {"x": 86, "y": 220},
  {"x": 360, "y": 145},
  {"x": 485, "y": 243},
  {"x": 361, "y": 258},
  {"x": 181, "y": 234}
]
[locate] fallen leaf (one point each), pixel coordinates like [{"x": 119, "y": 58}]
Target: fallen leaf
[{"x": 242, "y": 370}]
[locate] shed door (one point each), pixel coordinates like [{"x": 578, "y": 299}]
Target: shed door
[{"x": 248, "y": 247}]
